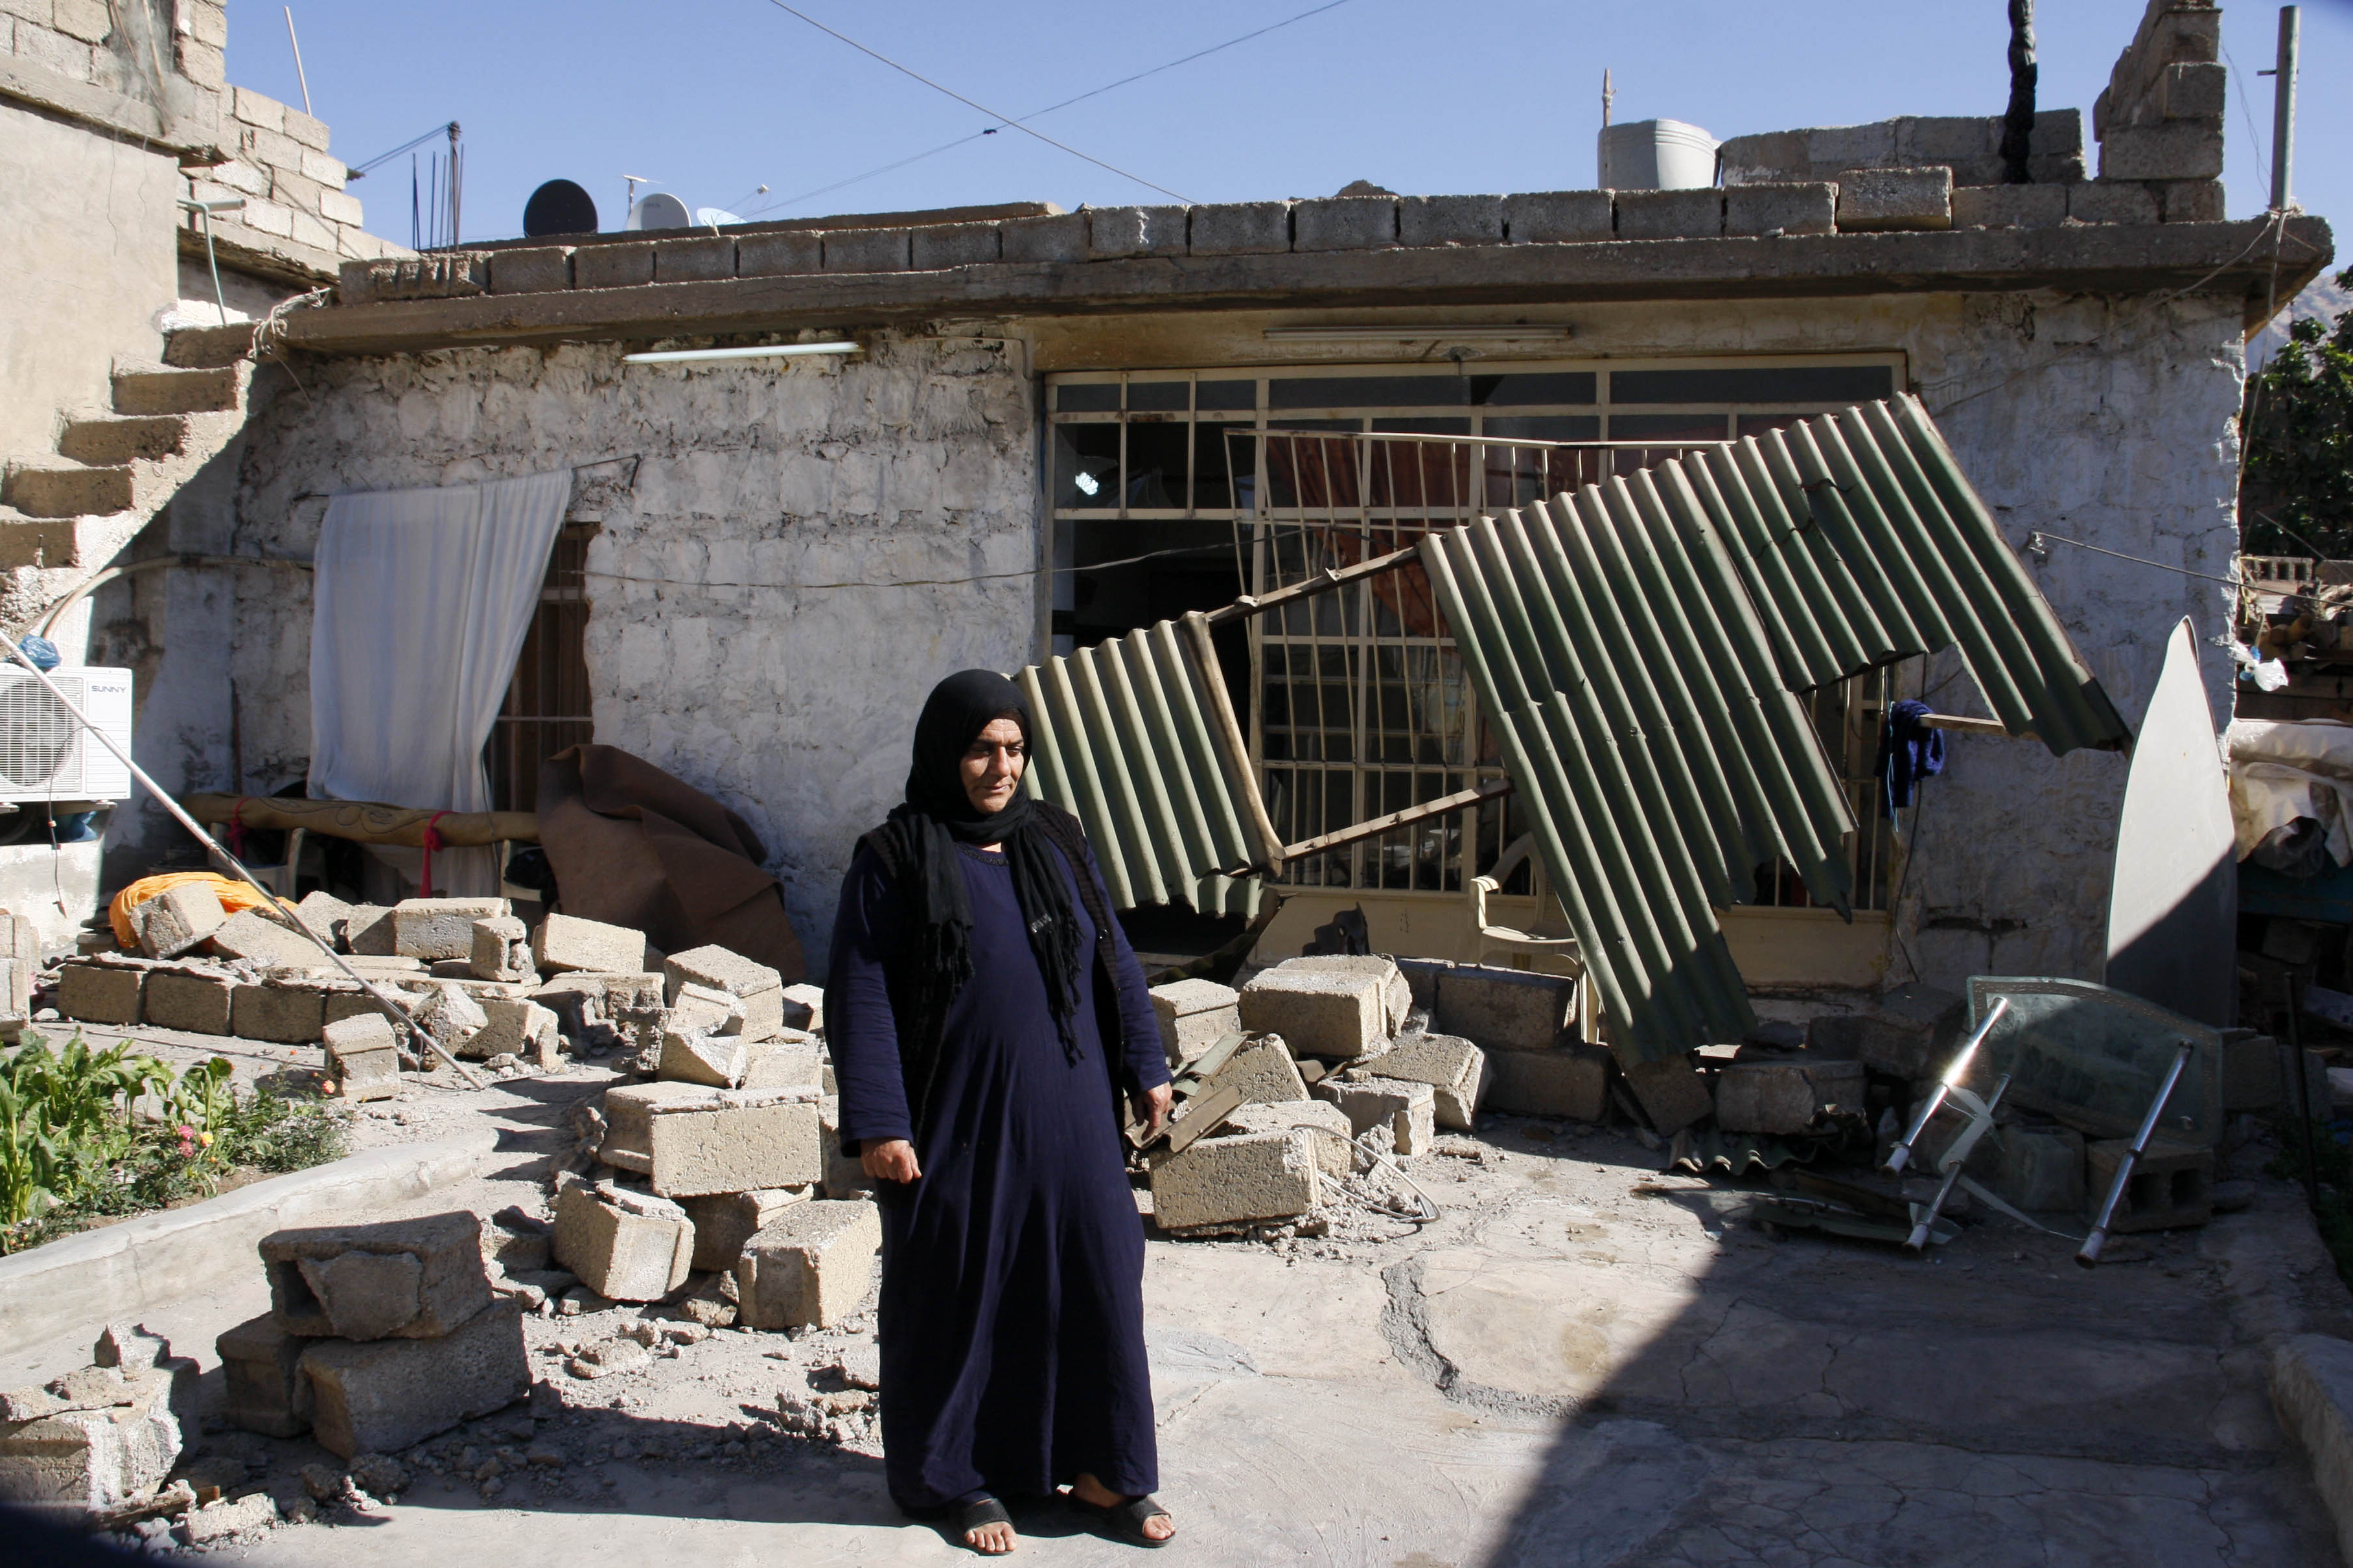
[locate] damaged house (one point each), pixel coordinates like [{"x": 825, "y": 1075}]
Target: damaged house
[{"x": 732, "y": 499}]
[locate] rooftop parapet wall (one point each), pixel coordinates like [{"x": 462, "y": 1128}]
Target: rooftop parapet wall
[
  {"x": 2159, "y": 119},
  {"x": 1970, "y": 146}
]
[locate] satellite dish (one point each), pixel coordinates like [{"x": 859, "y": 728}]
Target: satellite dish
[
  {"x": 659, "y": 210},
  {"x": 715, "y": 218},
  {"x": 559, "y": 206}
]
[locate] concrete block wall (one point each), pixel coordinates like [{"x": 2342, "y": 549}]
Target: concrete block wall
[
  {"x": 1969, "y": 145},
  {"x": 292, "y": 188},
  {"x": 2159, "y": 119}
]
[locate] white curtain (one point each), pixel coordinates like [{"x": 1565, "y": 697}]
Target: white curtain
[{"x": 420, "y": 603}]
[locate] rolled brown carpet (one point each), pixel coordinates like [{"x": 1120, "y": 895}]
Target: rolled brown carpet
[{"x": 632, "y": 846}]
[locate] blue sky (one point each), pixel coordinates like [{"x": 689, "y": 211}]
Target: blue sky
[{"x": 714, "y": 98}]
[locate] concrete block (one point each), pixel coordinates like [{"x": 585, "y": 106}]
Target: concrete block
[
  {"x": 1344, "y": 223},
  {"x": 2194, "y": 89},
  {"x": 1896, "y": 199},
  {"x": 2312, "y": 1392},
  {"x": 1058, "y": 237},
  {"x": 1422, "y": 979},
  {"x": 613, "y": 266},
  {"x": 949, "y": 245},
  {"x": 1335, "y": 1156},
  {"x": 780, "y": 255},
  {"x": 690, "y": 1139},
  {"x": 256, "y": 938},
  {"x": 1852, "y": 146},
  {"x": 1264, "y": 1070},
  {"x": 447, "y": 1012},
  {"x": 1117, "y": 232},
  {"x": 2188, "y": 201},
  {"x": 434, "y": 929},
  {"x": 538, "y": 270},
  {"x": 1670, "y": 215},
  {"x": 367, "y": 931},
  {"x": 690, "y": 1055},
  {"x": 1318, "y": 1013},
  {"x": 2037, "y": 1169},
  {"x": 791, "y": 1060},
  {"x": 2172, "y": 1185},
  {"x": 723, "y": 1222},
  {"x": 1451, "y": 220},
  {"x": 1241, "y": 229},
  {"x": 362, "y": 1056},
  {"x": 499, "y": 949},
  {"x": 178, "y": 918},
  {"x": 1454, "y": 1068},
  {"x": 264, "y": 1389},
  {"x": 566, "y": 941},
  {"x": 2175, "y": 149},
  {"x": 1503, "y": 1009},
  {"x": 111, "y": 1439},
  {"x": 702, "y": 259},
  {"x": 198, "y": 1003},
  {"x": 228, "y": 1518},
  {"x": 323, "y": 913},
  {"x": 1791, "y": 207},
  {"x": 2111, "y": 201},
  {"x": 1396, "y": 995},
  {"x": 1558, "y": 218},
  {"x": 1785, "y": 1096},
  {"x": 624, "y": 1244},
  {"x": 518, "y": 1027},
  {"x": 866, "y": 250},
  {"x": 1911, "y": 1031},
  {"x": 1570, "y": 1081},
  {"x": 101, "y": 993},
  {"x": 2252, "y": 1068},
  {"x": 804, "y": 1008},
  {"x": 1409, "y": 1109},
  {"x": 291, "y": 1014},
  {"x": 811, "y": 1268},
  {"x": 1194, "y": 1015},
  {"x": 700, "y": 1008},
  {"x": 1671, "y": 1092},
  {"x": 2009, "y": 207},
  {"x": 1236, "y": 1180},
  {"x": 381, "y": 1397},
  {"x": 845, "y": 1177},
  {"x": 719, "y": 969},
  {"x": 409, "y": 1278}
]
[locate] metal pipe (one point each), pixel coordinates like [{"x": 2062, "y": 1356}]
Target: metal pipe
[
  {"x": 2303, "y": 1071},
  {"x": 1918, "y": 1240},
  {"x": 2089, "y": 1255},
  {"x": 391, "y": 1009},
  {"x": 2283, "y": 105},
  {"x": 1901, "y": 1155}
]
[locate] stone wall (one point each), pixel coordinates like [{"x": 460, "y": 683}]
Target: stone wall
[{"x": 715, "y": 488}]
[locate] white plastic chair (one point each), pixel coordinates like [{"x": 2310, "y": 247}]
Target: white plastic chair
[{"x": 1549, "y": 946}]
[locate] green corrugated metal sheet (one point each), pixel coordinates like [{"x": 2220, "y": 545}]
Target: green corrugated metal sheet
[
  {"x": 1641, "y": 645},
  {"x": 1128, "y": 738}
]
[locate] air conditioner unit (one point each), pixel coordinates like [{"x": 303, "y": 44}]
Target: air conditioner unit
[{"x": 45, "y": 753}]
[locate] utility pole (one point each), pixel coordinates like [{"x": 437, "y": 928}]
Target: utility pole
[
  {"x": 2283, "y": 105},
  {"x": 2017, "y": 120}
]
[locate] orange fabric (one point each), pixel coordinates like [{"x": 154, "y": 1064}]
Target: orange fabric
[{"x": 234, "y": 896}]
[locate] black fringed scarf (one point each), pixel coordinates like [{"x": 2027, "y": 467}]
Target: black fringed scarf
[{"x": 917, "y": 844}]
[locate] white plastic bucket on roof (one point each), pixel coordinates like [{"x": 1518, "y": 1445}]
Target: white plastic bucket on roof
[{"x": 1656, "y": 155}]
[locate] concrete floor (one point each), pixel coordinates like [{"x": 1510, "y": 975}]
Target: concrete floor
[{"x": 1581, "y": 1363}]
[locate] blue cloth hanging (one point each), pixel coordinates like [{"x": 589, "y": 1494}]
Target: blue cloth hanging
[{"x": 1909, "y": 752}]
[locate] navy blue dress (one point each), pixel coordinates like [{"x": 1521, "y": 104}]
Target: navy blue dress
[{"x": 1012, "y": 1305}]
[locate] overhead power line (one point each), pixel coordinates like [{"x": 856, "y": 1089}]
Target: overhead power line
[
  {"x": 970, "y": 103},
  {"x": 1052, "y": 108}
]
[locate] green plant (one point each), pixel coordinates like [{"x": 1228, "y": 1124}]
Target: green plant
[
  {"x": 61, "y": 1114},
  {"x": 2296, "y": 487}
]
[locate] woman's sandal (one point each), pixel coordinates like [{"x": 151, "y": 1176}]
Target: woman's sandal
[
  {"x": 1126, "y": 1519},
  {"x": 974, "y": 1514}
]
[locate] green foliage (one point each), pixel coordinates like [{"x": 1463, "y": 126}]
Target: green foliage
[
  {"x": 2297, "y": 483},
  {"x": 89, "y": 1134}
]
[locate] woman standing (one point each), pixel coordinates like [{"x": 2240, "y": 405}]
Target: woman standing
[{"x": 985, "y": 1015}]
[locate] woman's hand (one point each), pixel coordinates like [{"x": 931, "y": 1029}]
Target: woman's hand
[
  {"x": 1151, "y": 1107},
  {"x": 891, "y": 1159}
]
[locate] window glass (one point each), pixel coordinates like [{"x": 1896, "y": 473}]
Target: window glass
[
  {"x": 1509, "y": 390},
  {"x": 1156, "y": 465},
  {"x": 1086, "y": 465},
  {"x": 1087, "y": 397},
  {"x": 1790, "y": 384},
  {"x": 1546, "y": 428},
  {"x": 1223, "y": 395},
  {"x": 1369, "y": 392},
  {"x": 1161, "y": 397},
  {"x": 1666, "y": 428}
]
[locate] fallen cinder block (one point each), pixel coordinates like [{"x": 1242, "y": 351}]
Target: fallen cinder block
[
  {"x": 95, "y": 1439},
  {"x": 690, "y": 1055},
  {"x": 198, "y": 1003},
  {"x": 1782, "y": 1098},
  {"x": 253, "y": 936},
  {"x": 2037, "y": 1169},
  {"x": 101, "y": 993},
  {"x": 1407, "y": 1109},
  {"x": 1503, "y": 1009},
  {"x": 1396, "y": 993},
  {"x": 264, "y": 1389},
  {"x": 2252, "y": 1076},
  {"x": 702, "y": 1009},
  {"x": 435, "y": 929},
  {"x": 1194, "y": 1015},
  {"x": 811, "y": 1268},
  {"x": 804, "y": 1008},
  {"x": 1264, "y": 1070},
  {"x": 362, "y": 1056},
  {"x": 567, "y": 942},
  {"x": 624, "y": 1244},
  {"x": 1333, "y": 1014},
  {"x": 178, "y": 918},
  {"x": 1454, "y": 1067},
  {"x": 789, "y": 1060},
  {"x": 760, "y": 988},
  {"x": 367, "y": 931},
  {"x": 1244, "y": 1178},
  {"x": 401, "y": 1278},
  {"x": 514, "y": 1026},
  {"x": 230, "y": 1516},
  {"x": 689, "y": 1140},
  {"x": 1671, "y": 1093},
  {"x": 447, "y": 1013},
  {"x": 500, "y": 950},
  {"x": 2171, "y": 1185},
  {"x": 290, "y": 1012},
  {"x": 383, "y": 1396},
  {"x": 1571, "y": 1080},
  {"x": 845, "y": 1174},
  {"x": 323, "y": 913},
  {"x": 723, "y": 1222},
  {"x": 1331, "y": 1136},
  {"x": 1911, "y": 1031}
]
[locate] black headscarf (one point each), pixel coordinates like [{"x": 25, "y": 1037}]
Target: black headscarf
[{"x": 918, "y": 842}]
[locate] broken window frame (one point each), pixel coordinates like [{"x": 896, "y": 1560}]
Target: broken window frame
[{"x": 547, "y": 706}]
